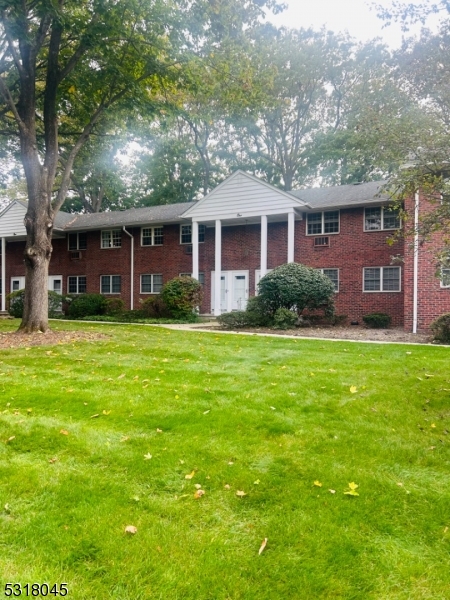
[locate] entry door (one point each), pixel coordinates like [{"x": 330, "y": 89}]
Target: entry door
[
  {"x": 239, "y": 291},
  {"x": 224, "y": 292}
]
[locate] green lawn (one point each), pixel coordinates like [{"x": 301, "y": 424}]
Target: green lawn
[{"x": 98, "y": 436}]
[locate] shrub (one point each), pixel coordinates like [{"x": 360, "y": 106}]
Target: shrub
[
  {"x": 284, "y": 319},
  {"x": 377, "y": 320},
  {"x": 87, "y": 305},
  {"x": 234, "y": 320},
  {"x": 16, "y": 303},
  {"x": 153, "y": 308},
  {"x": 441, "y": 328},
  {"x": 114, "y": 306},
  {"x": 256, "y": 315},
  {"x": 296, "y": 287},
  {"x": 182, "y": 295}
]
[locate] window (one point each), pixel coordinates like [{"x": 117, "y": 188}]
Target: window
[
  {"x": 445, "y": 278},
  {"x": 201, "y": 277},
  {"x": 110, "y": 284},
  {"x": 151, "y": 284},
  {"x": 152, "y": 236},
  {"x": 186, "y": 234},
  {"x": 332, "y": 274},
  {"x": 17, "y": 283},
  {"x": 382, "y": 279},
  {"x": 77, "y": 241},
  {"x": 112, "y": 238},
  {"x": 76, "y": 285},
  {"x": 323, "y": 222},
  {"x": 381, "y": 217}
]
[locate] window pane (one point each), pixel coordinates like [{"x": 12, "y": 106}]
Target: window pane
[
  {"x": 372, "y": 280},
  {"x": 314, "y": 223},
  {"x": 186, "y": 234},
  {"x": 157, "y": 283},
  {"x": 82, "y": 241},
  {"x": 146, "y": 236},
  {"x": 391, "y": 279},
  {"x": 106, "y": 239},
  {"x": 116, "y": 284},
  {"x": 106, "y": 284},
  {"x": 72, "y": 285},
  {"x": 146, "y": 284},
  {"x": 201, "y": 233},
  {"x": 201, "y": 278},
  {"x": 73, "y": 241},
  {"x": 333, "y": 274},
  {"x": 116, "y": 238},
  {"x": 331, "y": 222},
  {"x": 445, "y": 281},
  {"x": 158, "y": 236},
  {"x": 372, "y": 220},
  {"x": 81, "y": 285},
  {"x": 391, "y": 219}
]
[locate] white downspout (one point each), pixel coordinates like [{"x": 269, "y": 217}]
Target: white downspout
[
  {"x": 3, "y": 274},
  {"x": 416, "y": 263},
  {"x": 131, "y": 268}
]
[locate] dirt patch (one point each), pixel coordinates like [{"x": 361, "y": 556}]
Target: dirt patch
[
  {"x": 358, "y": 333},
  {"x": 26, "y": 340}
]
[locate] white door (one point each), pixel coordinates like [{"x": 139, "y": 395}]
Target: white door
[
  {"x": 239, "y": 291},
  {"x": 224, "y": 291},
  {"x": 55, "y": 283}
]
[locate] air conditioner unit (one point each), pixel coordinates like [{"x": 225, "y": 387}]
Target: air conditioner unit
[
  {"x": 321, "y": 242},
  {"x": 188, "y": 249},
  {"x": 75, "y": 255}
]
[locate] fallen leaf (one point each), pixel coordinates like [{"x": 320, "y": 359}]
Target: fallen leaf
[
  {"x": 263, "y": 545},
  {"x": 257, "y": 482},
  {"x": 125, "y": 438},
  {"x": 64, "y": 432},
  {"x": 353, "y": 389},
  {"x": 206, "y": 412},
  {"x": 121, "y": 376},
  {"x": 227, "y": 486},
  {"x": 53, "y": 460},
  {"x": 332, "y": 491},
  {"x": 94, "y": 416},
  {"x": 317, "y": 484},
  {"x": 352, "y": 489},
  {"x": 158, "y": 430},
  {"x": 240, "y": 493},
  {"x": 273, "y": 408},
  {"x": 106, "y": 412},
  {"x": 10, "y": 439},
  {"x": 433, "y": 425},
  {"x": 190, "y": 475},
  {"x": 131, "y": 529},
  {"x": 198, "y": 486},
  {"x": 198, "y": 494},
  {"x": 147, "y": 456}
]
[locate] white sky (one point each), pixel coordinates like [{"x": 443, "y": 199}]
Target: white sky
[{"x": 355, "y": 16}]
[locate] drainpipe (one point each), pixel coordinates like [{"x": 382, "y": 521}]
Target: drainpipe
[
  {"x": 416, "y": 262},
  {"x": 3, "y": 274},
  {"x": 131, "y": 267}
]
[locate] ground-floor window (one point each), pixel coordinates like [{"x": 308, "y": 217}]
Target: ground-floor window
[
  {"x": 332, "y": 274},
  {"x": 110, "y": 284},
  {"x": 382, "y": 279},
  {"x": 76, "y": 284},
  {"x": 151, "y": 284}
]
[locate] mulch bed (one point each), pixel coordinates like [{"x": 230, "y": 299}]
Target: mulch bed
[{"x": 27, "y": 340}]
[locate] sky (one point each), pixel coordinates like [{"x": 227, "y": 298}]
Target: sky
[{"x": 355, "y": 16}]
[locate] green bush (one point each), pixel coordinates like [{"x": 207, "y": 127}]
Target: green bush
[
  {"x": 284, "y": 319},
  {"x": 377, "y": 320},
  {"x": 234, "y": 320},
  {"x": 441, "y": 328},
  {"x": 153, "y": 308},
  {"x": 87, "y": 305},
  {"x": 182, "y": 295},
  {"x": 296, "y": 287},
  {"x": 114, "y": 306},
  {"x": 255, "y": 313},
  {"x": 16, "y": 301}
]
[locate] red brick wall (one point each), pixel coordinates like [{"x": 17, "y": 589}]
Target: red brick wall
[{"x": 432, "y": 299}]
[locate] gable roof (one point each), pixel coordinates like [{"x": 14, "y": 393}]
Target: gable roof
[{"x": 358, "y": 194}]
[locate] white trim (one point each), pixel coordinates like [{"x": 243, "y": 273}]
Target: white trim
[
  {"x": 110, "y": 285},
  {"x": 381, "y": 291},
  {"x": 152, "y": 284},
  {"x": 382, "y": 227},
  {"x": 263, "y": 244},
  {"x": 416, "y": 263},
  {"x": 131, "y": 267},
  {"x": 102, "y": 231},
  {"x": 323, "y": 233},
  {"x": 291, "y": 237},
  {"x": 3, "y": 274},
  {"x": 218, "y": 267},
  {"x": 21, "y": 281},
  {"x": 152, "y": 235},
  {"x": 195, "y": 242}
]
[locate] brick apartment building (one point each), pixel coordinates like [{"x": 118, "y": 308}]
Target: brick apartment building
[{"x": 231, "y": 238}]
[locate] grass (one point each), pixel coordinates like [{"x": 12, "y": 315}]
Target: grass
[{"x": 265, "y": 416}]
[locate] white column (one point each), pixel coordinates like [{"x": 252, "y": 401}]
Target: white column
[
  {"x": 291, "y": 236},
  {"x": 263, "y": 266},
  {"x": 218, "y": 268},
  {"x": 195, "y": 249},
  {"x": 3, "y": 274}
]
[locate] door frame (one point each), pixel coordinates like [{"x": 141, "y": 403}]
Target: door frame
[{"x": 229, "y": 288}]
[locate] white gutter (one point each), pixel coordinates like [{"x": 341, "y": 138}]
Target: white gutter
[
  {"x": 3, "y": 274},
  {"x": 131, "y": 268},
  {"x": 416, "y": 263}
]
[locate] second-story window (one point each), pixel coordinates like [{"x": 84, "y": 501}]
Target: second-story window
[
  {"x": 112, "y": 238},
  {"x": 77, "y": 241},
  {"x": 381, "y": 217},
  {"x": 186, "y": 234},
  {"x": 321, "y": 223},
  {"x": 152, "y": 236}
]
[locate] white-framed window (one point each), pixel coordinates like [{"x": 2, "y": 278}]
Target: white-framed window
[
  {"x": 186, "y": 234},
  {"x": 151, "y": 284},
  {"x": 152, "y": 236},
  {"x": 76, "y": 284},
  {"x": 382, "y": 279},
  {"x": 380, "y": 218},
  {"x": 17, "y": 283},
  {"x": 112, "y": 238},
  {"x": 321, "y": 223},
  {"x": 110, "y": 284},
  {"x": 445, "y": 278},
  {"x": 332, "y": 274},
  {"x": 77, "y": 241},
  {"x": 201, "y": 277}
]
